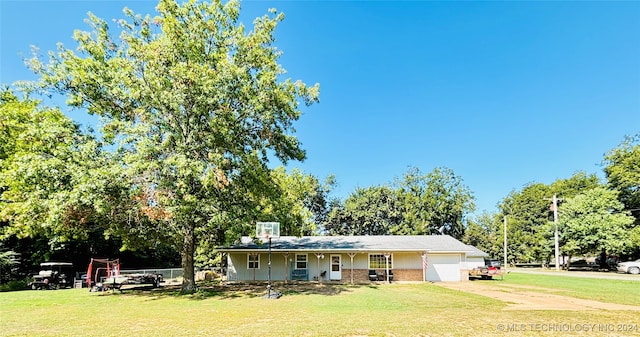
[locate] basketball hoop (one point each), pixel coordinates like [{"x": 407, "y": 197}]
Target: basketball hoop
[{"x": 267, "y": 231}]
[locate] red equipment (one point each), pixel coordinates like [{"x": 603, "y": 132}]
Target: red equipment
[{"x": 111, "y": 269}]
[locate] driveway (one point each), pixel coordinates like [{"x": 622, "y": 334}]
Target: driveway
[{"x": 520, "y": 297}]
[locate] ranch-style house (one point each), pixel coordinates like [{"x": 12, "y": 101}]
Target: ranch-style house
[{"x": 350, "y": 258}]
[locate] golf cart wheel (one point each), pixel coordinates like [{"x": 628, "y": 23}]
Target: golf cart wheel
[{"x": 634, "y": 270}]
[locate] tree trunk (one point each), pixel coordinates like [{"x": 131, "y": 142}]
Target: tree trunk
[
  {"x": 187, "y": 254},
  {"x": 603, "y": 259}
]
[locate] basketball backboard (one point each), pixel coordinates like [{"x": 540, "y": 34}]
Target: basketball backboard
[{"x": 267, "y": 230}]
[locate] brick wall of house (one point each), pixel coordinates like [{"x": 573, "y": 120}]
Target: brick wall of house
[
  {"x": 464, "y": 275},
  {"x": 359, "y": 275},
  {"x": 362, "y": 275},
  {"x": 407, "y": 274}
]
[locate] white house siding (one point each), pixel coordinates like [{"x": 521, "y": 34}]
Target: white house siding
[
  {"x": 444, "y": 267},
  {"x": 409, "y": 260},
  {"x": 441, "y": 266},
  {"x": 237, "y": 268},
  {"x": 280, "y": 269},
  {"x": 474, "y": 262}
]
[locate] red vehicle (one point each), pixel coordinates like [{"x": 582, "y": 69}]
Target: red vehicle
[{"x": 490, "y": 270}]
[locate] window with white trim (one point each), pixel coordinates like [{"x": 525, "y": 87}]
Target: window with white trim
[
  {"x": 378, "y": 261},
  {"x": 253, "y": 261},
  {"x": 301, "y": 261}
]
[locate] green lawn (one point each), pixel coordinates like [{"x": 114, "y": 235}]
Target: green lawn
[
  {"x": 309, "y": 310},
  {"x": 603, "y": 290}
]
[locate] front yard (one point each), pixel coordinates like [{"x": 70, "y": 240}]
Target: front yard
[{"x": 417, "y": 309}]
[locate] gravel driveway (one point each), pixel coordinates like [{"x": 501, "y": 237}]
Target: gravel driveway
[{"x": 520, "y": 297}]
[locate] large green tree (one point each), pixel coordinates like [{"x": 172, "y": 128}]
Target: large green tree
[
  {"x": 622, "y": 167},
  {"x": 52, "y": 200},
  {"x": 197, "y": 105},
  {"x": 595, "y": 221},
  {"x": 486, "y": 233},
  {"x": 436, "y": 202},
  {"x": 43, "y": 160},
  {"x": 530, "y": 228},
  {"x": 433, "y": 203},
  {"x": 299, "y": 204},
  {"x": 527, "y": 214},
  {"x": 373, "y": 210}
]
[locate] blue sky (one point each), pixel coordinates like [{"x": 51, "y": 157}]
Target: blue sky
[{"x": 504, "y": 93}]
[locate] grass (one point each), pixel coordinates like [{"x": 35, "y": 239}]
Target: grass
[
  {"x": 304, "y": 310},
  {"x": 603, "y": 290}
]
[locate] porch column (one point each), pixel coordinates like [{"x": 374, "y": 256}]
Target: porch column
[
  {"x": 319, "y": 256},
  {"x": 425, "y": 265},
  {"x": 286, "y": 267},
  {"x": 386, "y": 257},
  {"x": 352, "y": 255}
]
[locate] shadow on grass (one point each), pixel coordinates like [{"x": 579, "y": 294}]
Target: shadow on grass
[{"x": 218, "y": 290}]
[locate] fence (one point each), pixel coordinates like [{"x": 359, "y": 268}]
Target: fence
[{"x": 168, "y": 274}]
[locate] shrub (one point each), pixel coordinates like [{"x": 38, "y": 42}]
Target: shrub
[{"x": 15, "y": 285}]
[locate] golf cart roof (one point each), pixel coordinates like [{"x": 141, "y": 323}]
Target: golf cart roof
[{"x": 56, "y": 264}]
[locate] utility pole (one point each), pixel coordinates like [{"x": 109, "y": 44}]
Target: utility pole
[
  {"x": 555, "y": 234},
  {"x": 505, "y": 242},
  {"x": 554, "y": 206}
]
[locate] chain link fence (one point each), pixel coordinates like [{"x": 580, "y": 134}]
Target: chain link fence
[{"x": 169, "y": 275}]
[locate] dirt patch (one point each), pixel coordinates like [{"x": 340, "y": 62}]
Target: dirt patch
[{"x": 530, "y": 298}]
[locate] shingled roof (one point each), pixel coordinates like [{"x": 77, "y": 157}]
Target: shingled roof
[
  {"x": 428, "y": 243},
  {"x": 476, "y": 252}
]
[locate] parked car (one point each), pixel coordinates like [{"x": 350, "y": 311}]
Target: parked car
[
  {"x": 580, "y": 265},
  {"x": 631, "y": 267}
]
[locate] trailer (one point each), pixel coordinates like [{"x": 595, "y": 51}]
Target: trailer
[
  {"x": 117, "y": 282},
  {"x": 105, "y": 274}
]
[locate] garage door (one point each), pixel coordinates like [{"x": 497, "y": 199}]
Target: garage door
[{"x": 443, "y": 267}]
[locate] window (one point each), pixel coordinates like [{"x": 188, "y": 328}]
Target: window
[
  {"x": 253, "y": 261},
  {"x": 301, "y": 261},
  {"x": 378, "y": 261}
]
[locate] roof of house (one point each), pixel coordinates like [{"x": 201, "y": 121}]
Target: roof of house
[
  {"x": 428, "y": 243},
  {"x": 476, "y": 252}
]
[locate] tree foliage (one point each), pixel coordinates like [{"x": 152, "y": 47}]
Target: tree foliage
[
  {"x": 433, "y": 203},
  {"x": 196, "y": 106},
  {"x": 43, "y": 160},
  {"x": 622, "y": 168},
  {"x": 530, "y": 230},
  {"x": 485, "y": 232},
  {"x": 527, "y": 217},
  {"x": 368, "y": 211},
  {"x": 437, "y": 202},
  {"x": 594, "y": 221},
  {"x": 58, "y": 188},
  {"x": 300, "y": 204}
]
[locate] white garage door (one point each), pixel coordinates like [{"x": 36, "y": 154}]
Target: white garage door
[{"x": 443, "y": 267}]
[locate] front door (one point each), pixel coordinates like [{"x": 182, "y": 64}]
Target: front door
[{"x": 336, "y": 268}]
